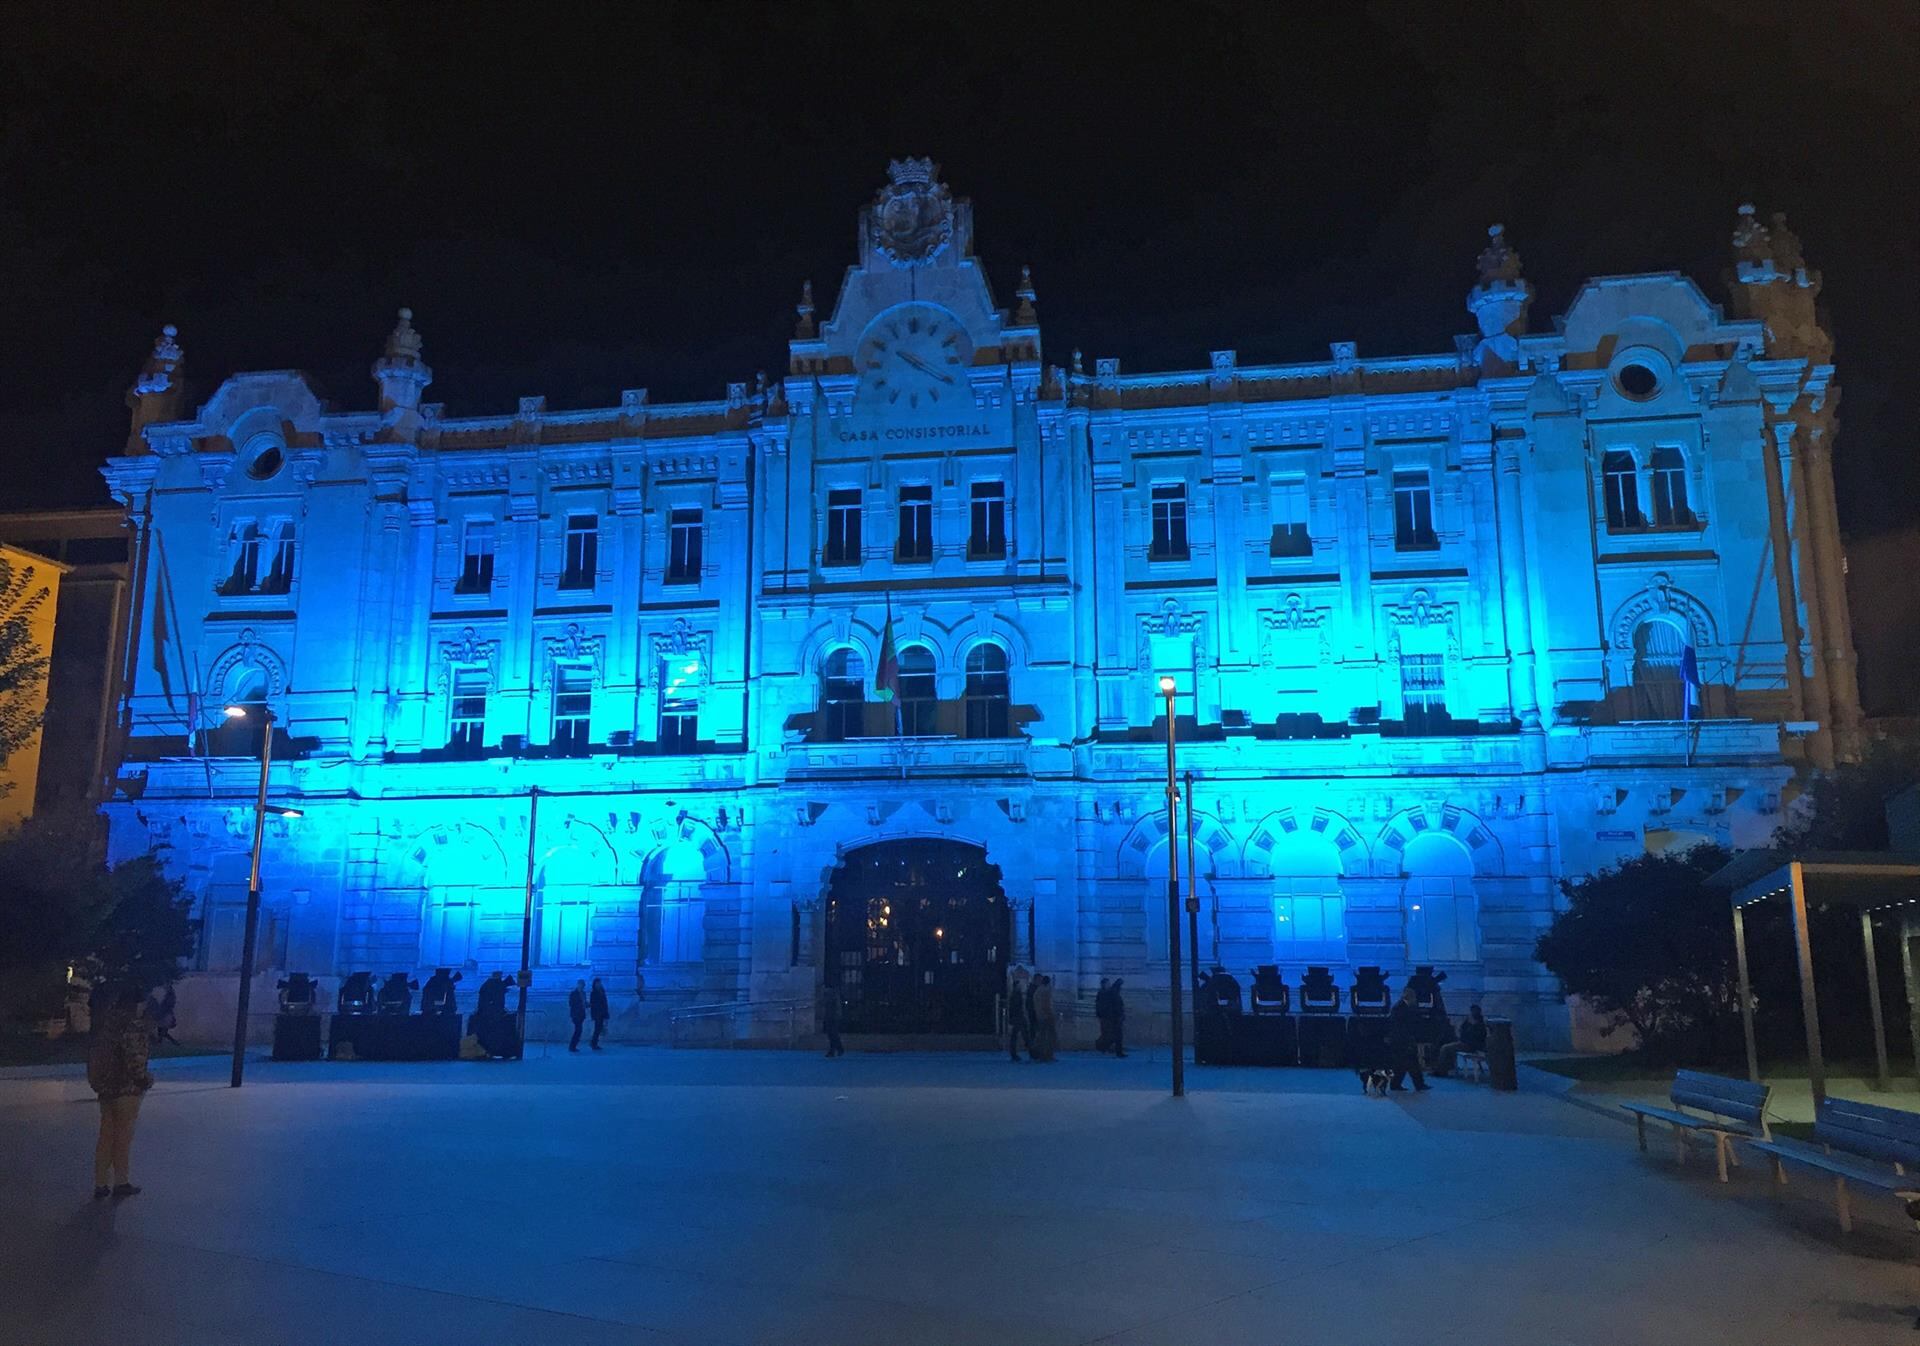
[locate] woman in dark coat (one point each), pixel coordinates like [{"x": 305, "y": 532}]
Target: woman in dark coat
[
  {"x": 577, "y": 1011},
  {"x": 597, "y": 1006},
  {"x": 117, "y": 1070}
]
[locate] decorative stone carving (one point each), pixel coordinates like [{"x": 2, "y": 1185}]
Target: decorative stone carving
[
  {"x": 252, "y": 652},
  {"x": 1171, "y": 620},
  {"x": 1420, "y": 612},
  {"x": 467, "y": 651},
  {"x": 1662, "y": 597},
  {"x": 912, "y": 216},
  {"x": 574, "y": 646},
  {"x": 1289, "y": 624}
]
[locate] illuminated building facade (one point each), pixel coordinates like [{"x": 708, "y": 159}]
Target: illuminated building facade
[{"x": 1445, "y": 627}]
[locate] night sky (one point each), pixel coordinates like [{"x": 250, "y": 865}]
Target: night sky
[{"x": 634, "y": 199}]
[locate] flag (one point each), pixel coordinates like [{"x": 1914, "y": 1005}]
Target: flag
[
  {"x": 1689, "y": 684},
  {"x": 886, "y": 676}
]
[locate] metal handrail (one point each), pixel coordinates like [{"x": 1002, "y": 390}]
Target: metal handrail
[{"x": 732, "y": 1007}]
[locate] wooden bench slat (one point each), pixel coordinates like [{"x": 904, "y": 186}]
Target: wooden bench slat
[
  {"x": 1743, "y": 1092},
  {"x": 1688, "y": 1120},
  {"x": 1851, "y": 1169}
]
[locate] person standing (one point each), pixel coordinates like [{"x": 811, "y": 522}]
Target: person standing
[
  {"x": 1403, "y": 1036},
  {"x": 1102, "y": 1010},
  {"x": 1017, "y": 1021},
  {"x": 597, "y": 1005},
  {"x": 1117, "y": 1017},
  {"x": 830, "y": 1016},
  {"x": 117, "y": 1070},
  {"x": 1046, "y": 1035},
  {"x": 577, "y": 1011}
]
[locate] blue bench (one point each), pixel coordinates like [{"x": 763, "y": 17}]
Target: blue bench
[
  {"x": 1726, "y": 1109},
  {"x": 1860, "y": 1143}
]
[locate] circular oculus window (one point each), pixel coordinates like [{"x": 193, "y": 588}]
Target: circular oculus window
[
  {"x": 1637, "y": 381},
  {"x": 266, "y": 463}
]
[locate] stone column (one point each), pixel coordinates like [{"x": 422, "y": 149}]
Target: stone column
[
  {"x": 1522, "y": 675},
  {"x": 1836, "y": 649},
  {"x": 1020, "y": 910},
  {"x": 1805, "y": 587}
]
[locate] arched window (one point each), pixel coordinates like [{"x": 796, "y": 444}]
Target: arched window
[
  {"x": 1621, "y": 478},
  {"x": 843, "y": 696},
  {"x": 672, "y": 920},
  {"x": 918, "y": 704},
  {"x": 986, "y": 692},
  {"x": 1670, "y": 488},
  {"x": 1309, "y": 910},
  {"x": 239, "y": 735},
  {"x": 1659, "y": 690},
  {"x": 1442, "y": 910}
]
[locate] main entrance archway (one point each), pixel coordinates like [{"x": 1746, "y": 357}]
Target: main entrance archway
[{"x": 917, "y": 938}]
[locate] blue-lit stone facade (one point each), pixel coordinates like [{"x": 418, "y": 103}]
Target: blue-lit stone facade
[{"x": 1428, "y": 616}]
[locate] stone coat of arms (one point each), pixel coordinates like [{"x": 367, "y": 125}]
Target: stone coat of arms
[{"x": 913, "y": 213}]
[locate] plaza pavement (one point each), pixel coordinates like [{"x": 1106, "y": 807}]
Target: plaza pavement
[{"x": 656, "y": 1197}]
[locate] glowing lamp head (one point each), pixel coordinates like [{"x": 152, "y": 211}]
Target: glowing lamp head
[
  {"x": 1166, "y": 686},
  {"x": 236, "y": 712}
]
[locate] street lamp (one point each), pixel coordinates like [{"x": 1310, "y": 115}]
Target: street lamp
[
  {"x": 1167, "y": 690},
  {"x": 261, "y": 810}
]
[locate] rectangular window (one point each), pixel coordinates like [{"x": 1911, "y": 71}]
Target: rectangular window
[
  {"x": 916, "y": 524},
  {"x": 279, "y": 576},
  {"x": 1670, "y": 508},
  {"x": 843, "y": 528},
  {"x": 243, "y": 557},
  {"x": 1423, "y": 689},
  {"x": 679, "y": 704},
  {"x": 1620, "y": 478},
  {"x": 1169, "y": 502},
  {"x": 1289, "y": 509},
  {"x": 582, "y": 552},
  {"x": 988, "y": 539},
  {"x": 1413, "y": 512},
  {"x": 685, "y": 546},
  {"x": 476, "y": 557},
  {"x": 572, "y": 709},
  {"x": 467, "y": 712}
]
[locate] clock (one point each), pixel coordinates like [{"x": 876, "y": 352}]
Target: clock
[{"x": 915, "y": 357}]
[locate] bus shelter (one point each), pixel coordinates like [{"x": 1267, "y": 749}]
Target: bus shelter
[{"x": 1867, "y": 881}]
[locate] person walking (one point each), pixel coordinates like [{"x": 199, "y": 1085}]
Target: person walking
[
  {"x": 117, "y": 1070},
  {"x": 1117, "y": 1017},
  {"x": 1046, "y": 1034},
  {"x": 1018, "y": 1029},
  {"x": 597, "y": 1005},
  {"x": 830, "y": 1017},
  {"x": 1102, "y": 1010},
  {"x": 577, "y": 1011},
  {"x": 1403, "y": 1036}
]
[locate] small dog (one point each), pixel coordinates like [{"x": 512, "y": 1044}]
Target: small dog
[{"x": 1374, "y": 1083}]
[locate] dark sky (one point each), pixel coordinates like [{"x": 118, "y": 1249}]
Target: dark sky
[{"x": 632, "y": 200}]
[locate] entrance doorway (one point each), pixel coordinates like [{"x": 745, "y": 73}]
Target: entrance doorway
[{"x": 917, "y": 938}]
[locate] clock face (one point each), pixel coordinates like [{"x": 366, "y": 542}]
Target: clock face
[{"x": 915, "y": 357}]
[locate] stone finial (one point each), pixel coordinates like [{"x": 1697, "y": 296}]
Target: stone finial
[
  {"x": 804, "y": 329},
  {"x": 1498, "y": 260},
  {"x": 404, "y": 343},
  {"x": 1025, "y": 315},
  {"x": 1772, "y": 282},
  {"x": 1499, "y": 301},
  {"x": 1751, "y": 242},
  {"x": 156, "y": 392},
  {"x": 401, "y": 373},
  {"x": 1079, "y": 365}
]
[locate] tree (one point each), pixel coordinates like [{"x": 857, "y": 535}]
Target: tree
[
  {"x": 23, "y": 664},
  {"x": 1648, "y": 941},
  {"x": 1845, "y": 808},
  {"x": 64, "y": 908}
]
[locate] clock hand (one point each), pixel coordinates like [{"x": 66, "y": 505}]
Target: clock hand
[{"x": 924, "y": 368}]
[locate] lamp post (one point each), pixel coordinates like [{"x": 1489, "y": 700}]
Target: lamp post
[
  {"x": 1193, "y": 900},
  {"x": 261, "y": 808},
  {"x": 1167, "y": 690}
]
